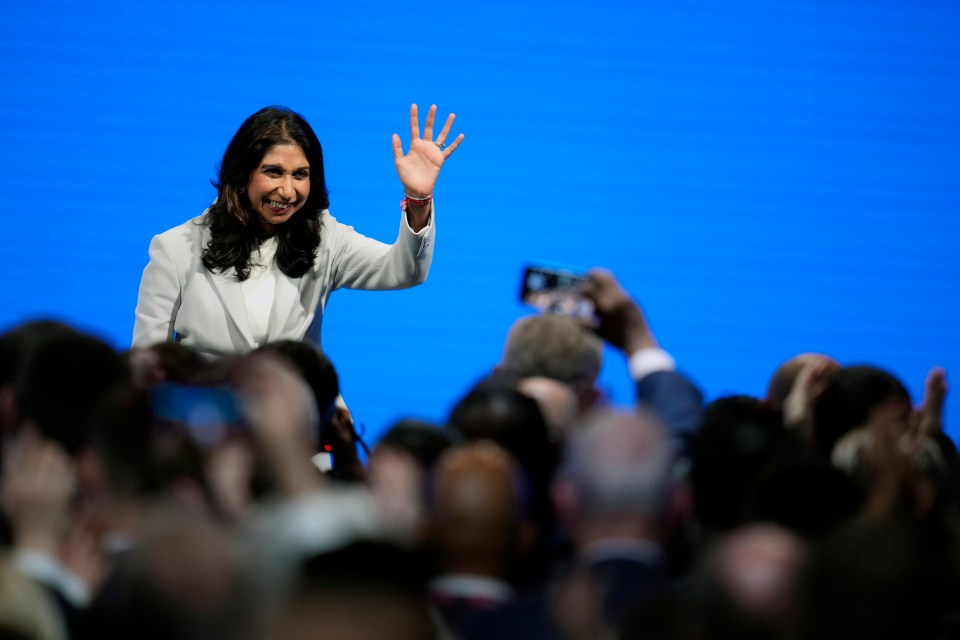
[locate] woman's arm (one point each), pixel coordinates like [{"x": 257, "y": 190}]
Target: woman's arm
[
  {"x": 159, "y": 297},
  {"x": 359, "y": 262}
]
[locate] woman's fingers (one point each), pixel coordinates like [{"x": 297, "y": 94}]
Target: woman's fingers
[
  {"x": 428, "y": 126},
  {"x": 453, "y": 146},
  {"x": 414, "y": 123},
  {"x": 445, "y": 131}
]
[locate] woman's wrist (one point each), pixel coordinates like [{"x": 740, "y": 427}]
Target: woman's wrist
[
  {"x": 417, "y": 211},
  {"x": 417, "y": 199}
]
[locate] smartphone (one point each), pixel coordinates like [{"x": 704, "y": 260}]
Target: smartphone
[
  {"x": 557, "y": 291},
  {"x": 208, "y": 413}
]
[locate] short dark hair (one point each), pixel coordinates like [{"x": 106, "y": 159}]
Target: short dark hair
[
  {"x": 63, "y": 384},
  {"x": 234, "y": 231},
  {"x": 741, "y": 441},
  {"x": 851, "y": 394},
  {"x": 426, "y": 442}
]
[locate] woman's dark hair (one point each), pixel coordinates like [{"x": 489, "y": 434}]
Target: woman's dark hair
[{"x": 234, "y": 229}]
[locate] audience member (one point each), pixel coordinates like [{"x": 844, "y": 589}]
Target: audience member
[
  {"x": 786, "y": 375},
  {"x": 154, "y": 494},
  {"x": 850, "y": 397},
  {"x": 495, "y": 410},
  {"x": 557, "y": 402},
  {"x": 555, "y": 347},
  {"x": 478, "y": 530},
  {"x": 660, "y": 388},
  {"x": 614, "y": 494},
  {"x": 740, "y": 443},
  {"x": 749, "y": 589}
]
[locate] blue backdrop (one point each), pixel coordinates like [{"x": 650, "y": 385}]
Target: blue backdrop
[{"x": 767, "y": 177}]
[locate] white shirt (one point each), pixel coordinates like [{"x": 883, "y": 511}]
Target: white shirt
[{"x": 259, "y": 290}]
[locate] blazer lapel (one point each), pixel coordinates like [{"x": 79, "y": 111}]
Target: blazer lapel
[{"x": 231, "y": 297}]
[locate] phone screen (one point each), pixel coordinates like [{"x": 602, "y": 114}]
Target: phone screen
[
  {"x": 208, "y": 413},
  {"x": 556, "y": 291}
]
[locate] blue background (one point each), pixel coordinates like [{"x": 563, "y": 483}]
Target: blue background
[{"x": 766, "y": 177}]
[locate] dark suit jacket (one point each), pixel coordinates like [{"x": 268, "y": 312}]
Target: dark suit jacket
[{"x": 678, "y": 403}]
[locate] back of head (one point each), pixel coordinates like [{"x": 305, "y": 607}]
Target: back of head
[
  {"x": 140, "y": 456},
  {"x": 782, "y": 380},
  {"x": 185, "y": 580},
  {"x": 621, "y": 465},
  {"x": 17, "y": 343},
  {"x": 749, "y": 588},
  {"x": 555, "y": 347},
  {"x": 63, "y": 383},
  {"x": 740, "y": 441},
  {"x": 363, "y": 591},
  {"x": 476, "y": 508},
  {"x": 313, "y": 366},
  {"x": 495, "y": 410},
  {"x": 849, "y": 399},
  {"x": 422, "y": 440}
]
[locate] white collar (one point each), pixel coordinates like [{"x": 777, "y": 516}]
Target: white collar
[
  {"x": 622, "y": 548},
  {"x": 466, "y": 585}
]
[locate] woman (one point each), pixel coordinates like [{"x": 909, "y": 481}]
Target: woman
[{"x": 260, "y": 263}]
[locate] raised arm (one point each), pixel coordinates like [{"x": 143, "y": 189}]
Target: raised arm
[
  {"x": 419, "y": 168},
  {"x": 661, "y": 389}
]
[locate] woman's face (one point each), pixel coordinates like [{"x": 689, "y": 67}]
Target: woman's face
[{"x": 279, "y": 186}]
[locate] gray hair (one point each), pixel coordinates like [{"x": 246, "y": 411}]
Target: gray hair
[
  {"x": 621, "y": 464},
  {"x": 555, "y": 347}
]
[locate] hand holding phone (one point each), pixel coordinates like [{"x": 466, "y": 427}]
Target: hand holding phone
[{"x": 557, "y": 291}]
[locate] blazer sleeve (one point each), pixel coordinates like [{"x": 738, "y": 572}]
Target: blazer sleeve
[
  {"x": 676, "y": 400},
  {"x": 364, "y": 263},
  {"x": 159, "y": 297}
]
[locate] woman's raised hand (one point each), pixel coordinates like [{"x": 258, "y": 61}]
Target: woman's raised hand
[{"x": 419, "y": 168}]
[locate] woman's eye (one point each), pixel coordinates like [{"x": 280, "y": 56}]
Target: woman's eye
[
  {"x": 272, "y": 171},
  {"x": 301, "y": 175}
]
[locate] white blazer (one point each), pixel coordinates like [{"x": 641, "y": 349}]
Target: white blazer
[{"x": 180, "y": 299}]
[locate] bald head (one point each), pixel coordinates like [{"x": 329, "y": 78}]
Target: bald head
[{"x": 476, "y": 507}]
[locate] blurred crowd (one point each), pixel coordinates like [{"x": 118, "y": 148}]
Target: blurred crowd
[{"x": 156, "y": 494}]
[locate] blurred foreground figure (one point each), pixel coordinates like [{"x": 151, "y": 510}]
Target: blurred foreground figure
[
  {"x": 749, "y": 589},
  {"x": 478, "y": 531},
  {"x": 362, "y": 591},
  {"x": 614, "y": 494}
]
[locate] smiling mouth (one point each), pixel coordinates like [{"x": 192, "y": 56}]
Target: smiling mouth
[{"x": 279, "y": 207}]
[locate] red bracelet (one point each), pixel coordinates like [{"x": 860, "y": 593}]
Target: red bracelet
[
  {"x": 410, "y": 200},
  {"x": 418, "y": 200}
]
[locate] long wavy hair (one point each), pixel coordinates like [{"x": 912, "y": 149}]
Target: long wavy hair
[{"x": 234, "y": 229}]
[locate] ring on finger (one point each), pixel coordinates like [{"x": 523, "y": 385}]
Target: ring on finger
[{"x": 440, "y": 145}]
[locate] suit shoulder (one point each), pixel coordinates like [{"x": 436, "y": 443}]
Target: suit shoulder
[{"x": 181, "y": 236}]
